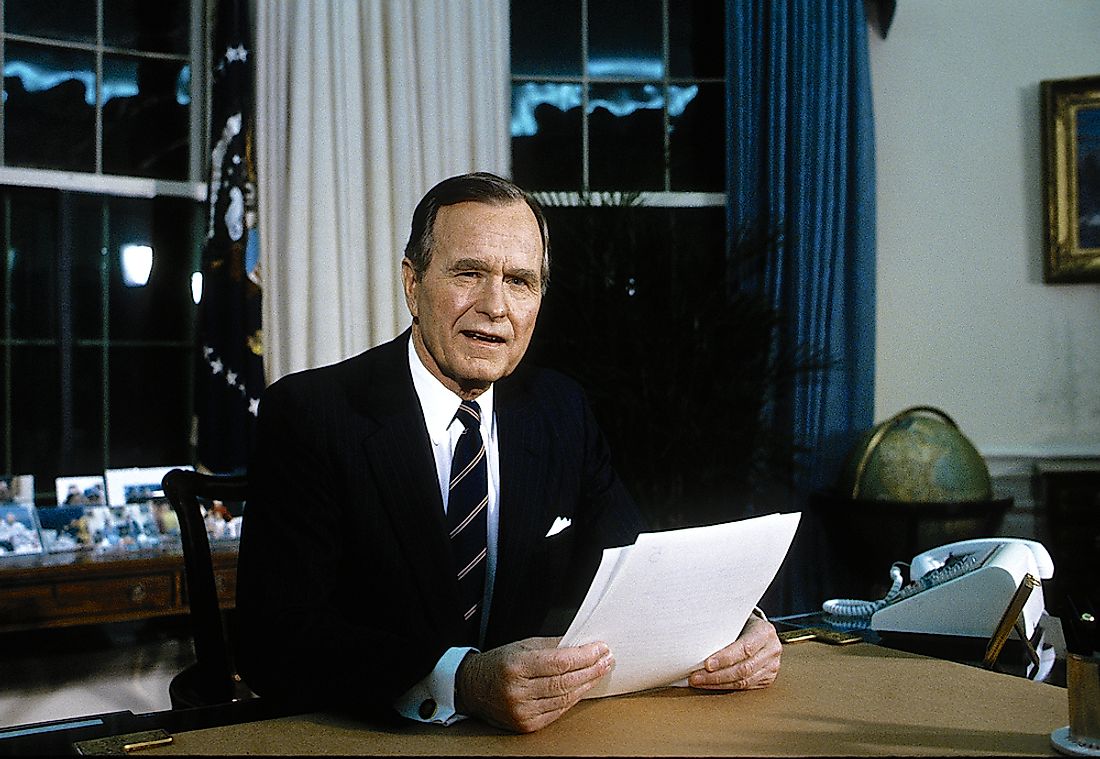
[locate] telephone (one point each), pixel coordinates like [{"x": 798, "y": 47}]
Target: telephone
[{"x": 960, "y": 589}]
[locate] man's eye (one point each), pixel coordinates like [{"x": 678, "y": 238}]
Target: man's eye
[{"x": 518, "y": 281}]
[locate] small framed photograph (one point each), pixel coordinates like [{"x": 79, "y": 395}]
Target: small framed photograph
[
  {"x": 137, "y": 485},
  {"x": 223, "y": 519},
  {"x": 16, "y": 488},
  {"x": 101, "y": 529},
  {"x": 132, "y": 527},
  {"x": 1071, "y": 178},
  {"x": 79, "y": 491},
  {"x": 19, "y": 533},
  {"x": 167, "y": 522},
  {"x": 66, "y": 528}
]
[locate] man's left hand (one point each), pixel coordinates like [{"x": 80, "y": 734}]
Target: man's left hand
[{"x": 751, "y": 661}]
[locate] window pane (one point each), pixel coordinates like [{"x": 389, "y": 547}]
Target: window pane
[
  {"x": 546, "y": 38},
  {"x": 696, "y": 39},
  {"x": 87, "y": 446},
  {"x": 85, "y": 235},
  {"x": 145, "y": 124},
  {"x": 35, "y": 414},
  {"x": 624, "y": 39},
  {"x": 697, "y": 142},
  {"x": 71, "y": 20},
  {"x": 630, "y": 284},
  {"x": 150, "y": 406},
  {"x": 32, "y": 263},
  {"x": 163, "y": 26},
  {"x": 546, "y": 135},
  {"x": 160, "y": 307},
  {"x": 626, "y": 137},
  {"x": 49, "y": 107}
]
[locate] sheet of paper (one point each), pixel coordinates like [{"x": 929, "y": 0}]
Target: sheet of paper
[{"x": 666, "y": 603}]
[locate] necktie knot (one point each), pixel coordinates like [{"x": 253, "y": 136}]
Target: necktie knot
[{"x": 469, "y": 413}]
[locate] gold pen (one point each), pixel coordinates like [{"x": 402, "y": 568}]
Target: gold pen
[{"x": 128, "y": 747}]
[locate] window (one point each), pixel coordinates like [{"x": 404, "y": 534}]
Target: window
[
  {"x": 623, "y": 95},
  {"x": 101, "y": 189},
  {"x": 619, "y": 128}
]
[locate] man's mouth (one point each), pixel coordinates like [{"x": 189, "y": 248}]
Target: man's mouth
[{"x": 483, "y": 337}]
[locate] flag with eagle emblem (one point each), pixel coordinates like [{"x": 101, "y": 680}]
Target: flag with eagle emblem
[{"x": 230, "y": 375}]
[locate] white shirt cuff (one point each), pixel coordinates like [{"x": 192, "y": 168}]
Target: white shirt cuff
[{"x": 433, "y": 698}]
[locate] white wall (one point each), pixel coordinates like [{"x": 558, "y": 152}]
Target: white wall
[{"x": 964, "y": 320}]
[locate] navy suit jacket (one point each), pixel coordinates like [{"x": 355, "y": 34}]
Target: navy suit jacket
[{"x": 345, "y": 590}]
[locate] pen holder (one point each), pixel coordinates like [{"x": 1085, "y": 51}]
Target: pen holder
[
  {"x": 1082, "y": 736},
  {"x": 1083, "y": 684}
]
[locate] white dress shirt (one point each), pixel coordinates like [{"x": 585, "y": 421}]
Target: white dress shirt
[{"x": 432, "y": 699}]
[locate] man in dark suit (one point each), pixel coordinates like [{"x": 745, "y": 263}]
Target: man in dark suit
[{"x": 349, "y": 592}]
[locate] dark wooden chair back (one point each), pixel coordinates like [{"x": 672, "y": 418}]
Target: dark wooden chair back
[{"x": 213, "y": 678}]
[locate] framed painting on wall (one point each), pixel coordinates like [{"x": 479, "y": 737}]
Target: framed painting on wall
[{"x": 1071, "y": 178}]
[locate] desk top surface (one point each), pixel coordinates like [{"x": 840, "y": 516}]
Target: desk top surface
[{"x": 852, "y": 700}]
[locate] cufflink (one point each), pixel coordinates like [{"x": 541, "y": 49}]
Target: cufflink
[{"x": 427, "y": 709}]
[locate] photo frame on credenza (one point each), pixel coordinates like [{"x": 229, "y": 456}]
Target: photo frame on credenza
[
  {"x": 136, "y": 485},
  {"x": 1071, "y": 179},
  {"x": 19, "y": 531},
  {"x": 81, "y": 490},
  {"x": 16, "y": 488}
]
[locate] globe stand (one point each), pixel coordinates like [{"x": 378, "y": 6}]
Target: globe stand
[{"x": 864, "y": 537}]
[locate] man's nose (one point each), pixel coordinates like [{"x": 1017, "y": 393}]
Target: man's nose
[{"x": 492, "y": 300}]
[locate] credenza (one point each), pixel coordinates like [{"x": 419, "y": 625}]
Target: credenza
[{"x": 62, "y": 589}]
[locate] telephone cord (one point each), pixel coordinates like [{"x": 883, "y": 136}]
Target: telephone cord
[{"x": 853, "y": 609}]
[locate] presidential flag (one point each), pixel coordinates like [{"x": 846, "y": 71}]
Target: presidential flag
[{"x": 230, "y": 375}]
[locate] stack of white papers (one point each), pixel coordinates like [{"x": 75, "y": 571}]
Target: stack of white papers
[{"x": 666, "y": 603}]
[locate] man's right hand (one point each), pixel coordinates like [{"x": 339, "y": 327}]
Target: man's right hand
[{"x": 526, "y": 685}]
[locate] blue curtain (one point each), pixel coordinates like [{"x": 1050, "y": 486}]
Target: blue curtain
[
  {"x": 801, "y": 164},
  {"x": 801, "y": 168}
]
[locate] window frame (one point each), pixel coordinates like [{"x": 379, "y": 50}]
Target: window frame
[{"x": 105, "y": 188}]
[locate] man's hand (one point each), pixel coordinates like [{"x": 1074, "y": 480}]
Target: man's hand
[
  {"x": 751, "y": 661},
  {"x": 526, "y": 685}
]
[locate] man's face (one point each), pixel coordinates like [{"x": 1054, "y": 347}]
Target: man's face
[{"x": 475, "y": 307}]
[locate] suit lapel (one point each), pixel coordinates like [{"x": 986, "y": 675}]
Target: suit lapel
[
  {"x": 399, "y": 454},
  {"x": 522, "y": 447}
]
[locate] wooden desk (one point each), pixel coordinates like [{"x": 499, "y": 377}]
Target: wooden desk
[
  {"x": 62, "y": 589},
  {"x": 853, "y": 700}
]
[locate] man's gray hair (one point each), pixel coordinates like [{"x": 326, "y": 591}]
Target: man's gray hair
[{"x": 477, "y": 187}]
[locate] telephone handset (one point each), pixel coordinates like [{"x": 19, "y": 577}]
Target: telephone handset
[
  {"x": 937, "y": 557},
  {"x": 958, "y": 589}
]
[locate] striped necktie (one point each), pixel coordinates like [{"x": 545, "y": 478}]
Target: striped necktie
[{"x": 467, "y": 504}]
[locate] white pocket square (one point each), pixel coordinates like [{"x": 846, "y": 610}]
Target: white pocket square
[{"x": 559, "y": 524}]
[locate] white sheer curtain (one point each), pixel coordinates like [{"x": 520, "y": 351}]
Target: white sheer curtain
[{"x": 361, "y": 106}]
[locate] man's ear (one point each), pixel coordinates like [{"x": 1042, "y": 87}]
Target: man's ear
[{"x": 409, "y": 283}]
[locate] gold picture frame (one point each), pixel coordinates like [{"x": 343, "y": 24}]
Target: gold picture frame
[{"x": 1071, "y": 179}]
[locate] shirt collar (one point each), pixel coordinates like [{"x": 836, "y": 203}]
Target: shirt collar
[{"x": 440, "y": 404}]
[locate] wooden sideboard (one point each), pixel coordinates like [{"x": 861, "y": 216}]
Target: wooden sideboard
[{"x": 63, "y": 589}]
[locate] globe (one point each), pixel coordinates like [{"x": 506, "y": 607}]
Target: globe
[{"x": 917, "y": 456}]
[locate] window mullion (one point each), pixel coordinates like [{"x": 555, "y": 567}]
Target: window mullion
[
  {"x": 99, "y": 87},
  {"x": 105, "y": 329},
  {"x": 666, "y": 121},
  {"x": 585, "y": 83},
  {"x": 6, "y": 462},
  {"x": 3, "y": 64}
]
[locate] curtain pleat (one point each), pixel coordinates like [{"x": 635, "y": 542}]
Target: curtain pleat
[
  {"x": 801, "y": 166},
  {"x": 362, "y": 107}
]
